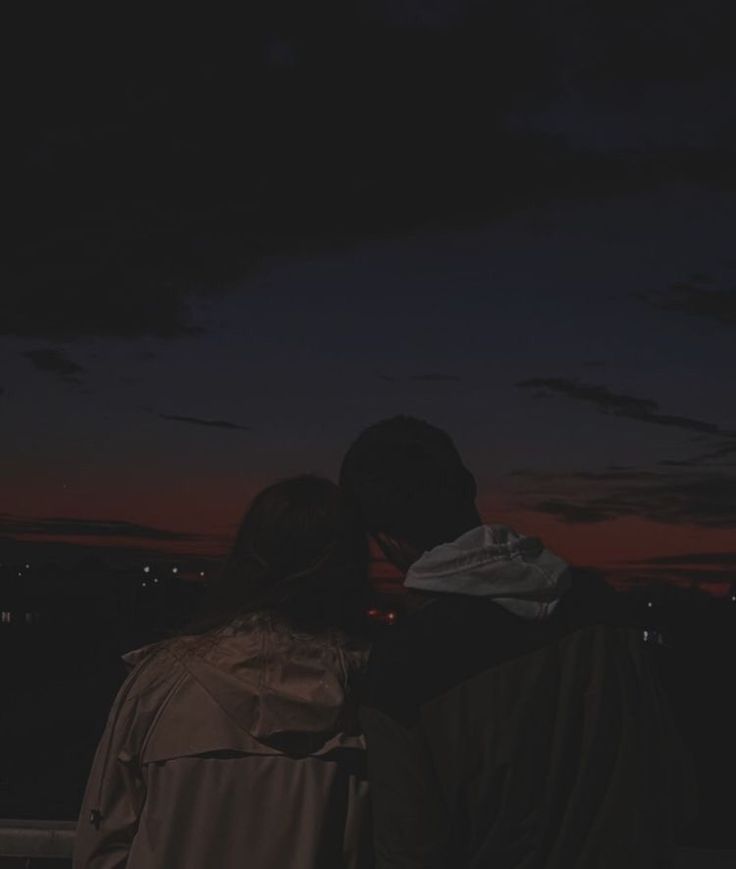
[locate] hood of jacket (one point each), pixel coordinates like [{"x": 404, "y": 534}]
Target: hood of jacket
[
  {"x": 493, "y": 561},
  {"x": 276, "y": 685}
]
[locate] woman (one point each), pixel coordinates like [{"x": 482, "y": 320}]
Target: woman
[{"x": 237, "y": 745}]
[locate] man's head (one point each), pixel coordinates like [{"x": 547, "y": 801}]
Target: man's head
[{"x": 410, "y": 486}]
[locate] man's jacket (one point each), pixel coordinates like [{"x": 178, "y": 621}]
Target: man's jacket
[{"x": 514, "y": 721}]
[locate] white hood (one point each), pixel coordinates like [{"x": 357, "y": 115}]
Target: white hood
[{"x": 494, "y": 561}]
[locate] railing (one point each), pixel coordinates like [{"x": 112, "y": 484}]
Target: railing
[
  {"x": 37, "y": 840},
  {"x": 696, "y": 858},
  {"x": 45, "y": 840}
]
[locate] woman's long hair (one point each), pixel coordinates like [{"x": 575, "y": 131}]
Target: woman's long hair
[{"x": 300, "y": 554}]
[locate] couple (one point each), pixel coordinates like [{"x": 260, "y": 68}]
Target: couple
[{"x": 511, "y": 718}]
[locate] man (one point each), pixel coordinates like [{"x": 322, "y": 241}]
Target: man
[{"x": 512, "y": 718}]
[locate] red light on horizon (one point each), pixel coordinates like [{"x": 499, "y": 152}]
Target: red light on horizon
[{"x": 385, "y": 617}]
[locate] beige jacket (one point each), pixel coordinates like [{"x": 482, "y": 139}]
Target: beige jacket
[{"x": 238, "y": 748}]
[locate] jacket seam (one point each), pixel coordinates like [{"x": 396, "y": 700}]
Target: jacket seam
[
  {"x": 162, "y": 707},
  {"x": 123, "y": 700}
]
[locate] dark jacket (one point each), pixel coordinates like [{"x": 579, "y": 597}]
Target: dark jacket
[
  {"x": 519, "y": 728},
  {"x": 237, "y": 748}
]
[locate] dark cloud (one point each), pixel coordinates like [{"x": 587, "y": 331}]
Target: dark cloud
[
  {"x": 63, "y": 301},
  {"x": 617, "y": 404},
  {"x": 577, "y": 514},
  {"x": 424, "y": 14},
  {"x": 709, "y": 578},
  {"x": 704, "y": 499},
  {"x": 71, "y": 527},
  {"x": 706, "y": 576},
  {"x": 702, "y": 278},
  {"x": 722, "y": 451},
  {"x": 280, "y": 53},
  {"x": 211, "y": 423},
  {"x": 704, "y": 558},
  {"x": 600, "y": 396},
  {"x": 716, "y": 455},
  {"x": 147, "y": 186},
  {"x": 611, "y": 473},
  {"x": 72, "y": 553},
  {"x": 56, "y": 362},
  {"x": 696, "y": 298},
  {"x": 435, "y": 377},
  {"x": 427, "y": 377}
]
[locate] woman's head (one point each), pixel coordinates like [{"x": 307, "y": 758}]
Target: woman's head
[{"x": 301, "y": 553}]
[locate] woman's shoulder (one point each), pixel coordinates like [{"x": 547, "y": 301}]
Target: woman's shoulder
[
  {"x": 280, "y": 630},
  {"x": 153, "y": 668},
  {"x": 244, "y": 643},
  {"x": 261, "y": 648}
]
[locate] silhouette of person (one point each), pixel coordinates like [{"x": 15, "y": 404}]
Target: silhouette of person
[
  {"x": 512, "y": 718},
  {"x": 238, "y": 742}
]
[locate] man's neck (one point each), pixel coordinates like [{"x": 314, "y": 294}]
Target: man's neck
[{"x": 463, "y": 524}]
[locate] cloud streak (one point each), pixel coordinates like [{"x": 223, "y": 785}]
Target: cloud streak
[
  {"x": 705, "y": 499},
  {"x": 435, "y": 377},
  {"x": 618, "y": 404},
  {"x": 80, "y": 527},
  {"x": 426, "y": 377},
  {"x": 209, "y": 423},
  {"x": 696, "y": 298},
  {"x": 56, "y": 362},
  {"x": 112, "y": 552},
  {"x": 717, "y": 559}
]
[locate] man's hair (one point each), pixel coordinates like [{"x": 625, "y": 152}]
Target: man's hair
[{"x": 406, "y": 479}]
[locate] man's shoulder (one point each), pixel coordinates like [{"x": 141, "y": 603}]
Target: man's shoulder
[
  {"x": 590, "y": 598},
  {"x": 435, "y": 647},
  {"x": 439, "y": 624},
  {"x": 444, "y": 622},
  {"x": 452, "y": 638}
]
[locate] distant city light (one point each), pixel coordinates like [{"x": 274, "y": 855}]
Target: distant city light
[
  {"x": 28, "y": 566},
  {"x": 144, "y": 584},
  {"x": 20, "y": 573},
  {"x": 147, "y": 569},
  {"x": 201, "y": 573},
  {"x": 386, "y": 617},
  {"x": 155, "y": 579},
  {"x": 650, "y": 604},
  {"x": 733, "y": 597},
  {"x": 174, "y": 569}
]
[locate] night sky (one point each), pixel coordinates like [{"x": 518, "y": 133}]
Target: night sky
[{"x": 236, "y": 244}]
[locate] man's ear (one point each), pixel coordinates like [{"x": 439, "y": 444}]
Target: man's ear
[
  {"x": 398, "y": 552},
  {"x": 386, "y": 542}
]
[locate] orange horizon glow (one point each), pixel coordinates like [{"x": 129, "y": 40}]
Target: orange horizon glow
[{"x": 208, "y": 512}]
